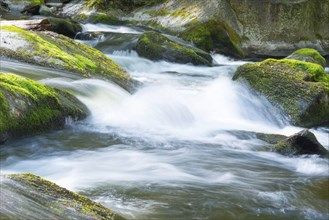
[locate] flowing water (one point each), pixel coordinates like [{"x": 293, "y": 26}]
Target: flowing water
[{"x": 182, "y": 147}]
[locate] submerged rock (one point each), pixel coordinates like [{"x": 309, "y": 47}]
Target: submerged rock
[
  {"x": 303, "y": 142},
  {"x": 27, "y": 196},
  {"x": 57, "y": 51},
  {"x": 28, "y": 107},
  {"x": 155, "y": 46},
  {"x": 300, "y": 88}
]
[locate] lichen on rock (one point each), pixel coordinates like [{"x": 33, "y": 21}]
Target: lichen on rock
[
  {"x": 300, "y": 88},
  {"x": 28, "y": 107},
  {"x": 155, "y": 46}
]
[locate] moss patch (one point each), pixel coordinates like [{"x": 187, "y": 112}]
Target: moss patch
[
  {"x": 154, "y": 46},
  {"x": 28, "y": 107},
  {"x": 125, "y": 6},
  {"x": 214, "y": 36},
  {"x": 57, "y": 51},
  {"x": 300, "y": 88},
  {"x": 308, "y": 55},
  {"x": 62, "y": 202}
]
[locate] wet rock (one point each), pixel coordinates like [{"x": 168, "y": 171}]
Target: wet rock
[
  {"x": 270, "y": 138},
  {"x": 28, "y": 107},
  {"x": 303, "y": 142},
  {"x": 300, "y": 89},
  {"x": 154, "y": 46},
  {"x": 4, "y": 6},
  {"x": 64, "y": 26},
  {"x": 60, "y": 52},
  {"x": 27, "y": 196},
  {"x": 32, "y": 9}
]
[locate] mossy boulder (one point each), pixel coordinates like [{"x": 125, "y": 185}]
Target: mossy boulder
[
  {"x": 303, "y": 142},
  {"x": 154, "y": 46},
  {"x": 27, "y": 196},
  {"x": 308, "y": 55},
  {"x": 57, "y": 51},
  {"x": 28, "y": 107},
  {"x": 301, "y": 89},
  {"x": 214, "y": 36}
]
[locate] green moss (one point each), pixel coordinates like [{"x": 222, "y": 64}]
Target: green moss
[
  {"x": 125, "y": 6},
  {"x": 104, "y": 18},
  {"x": 28, "y": 106},
  {"x": 59, "y": 51},
  {"x": 315, "y": 72},
  {"x": 155, "y": 46},
  {"x": 60, "y": 199},
  {"x": 300, "y": 88},
  {"x": 309, "y": 55},
  {"x": 213, "y": 36},
  {"x": 37, "y": 2},
  {"x": 159, "y": 12}
]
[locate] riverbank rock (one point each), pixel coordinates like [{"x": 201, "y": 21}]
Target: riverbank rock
[
  {"x": 303, "y": 142},
  {"x": 155, "y": 46},
  {"x": 27, "y": 196},
  {"x": 301, "y": 89},
  {"x": 57, "y": 51},
  {"x": 28, "y": 107}
]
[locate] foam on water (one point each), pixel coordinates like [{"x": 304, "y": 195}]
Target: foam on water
[{"x": 109, "y": 28}]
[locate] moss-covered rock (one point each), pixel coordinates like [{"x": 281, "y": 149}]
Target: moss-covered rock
[
  {"x": 28, "y": 107},
  {"x": 155, "y": 46},
  {"x": 308, "y": 55},
  {"x": 57, "y": 51},
  {"x": 214, "y": 36},
  {"x": 300, "y": 88},
  {"x": 270, "y": 138},
  {"x": 303, "y": 142},
  {"x": 27, "y": 196}
]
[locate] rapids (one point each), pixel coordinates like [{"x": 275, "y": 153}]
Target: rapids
[{"x": 181, "y": 147}]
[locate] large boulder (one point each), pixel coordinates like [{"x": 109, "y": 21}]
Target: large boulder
[
  {"x": 303, "y": 142},
  {"x": 27, "y": 196},
  {"x": 247, "y": 26},
  {"x": 57, "y": 51},
  {"x": 155, "y": 46},
  {"x": 300, "y": 88},
  {"x": 28, "y": 107}
]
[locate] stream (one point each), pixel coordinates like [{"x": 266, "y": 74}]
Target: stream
[{"x": 182, "y": 147}]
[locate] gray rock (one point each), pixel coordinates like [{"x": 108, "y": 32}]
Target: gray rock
[{"x": 303, "y": 142}]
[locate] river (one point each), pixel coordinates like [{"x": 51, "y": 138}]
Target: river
[{"x": 182, "y": 147}]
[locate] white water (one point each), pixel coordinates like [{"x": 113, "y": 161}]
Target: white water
[
  {"x": 109, "y": 28},
  {"x": 174, "y": 146}
]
